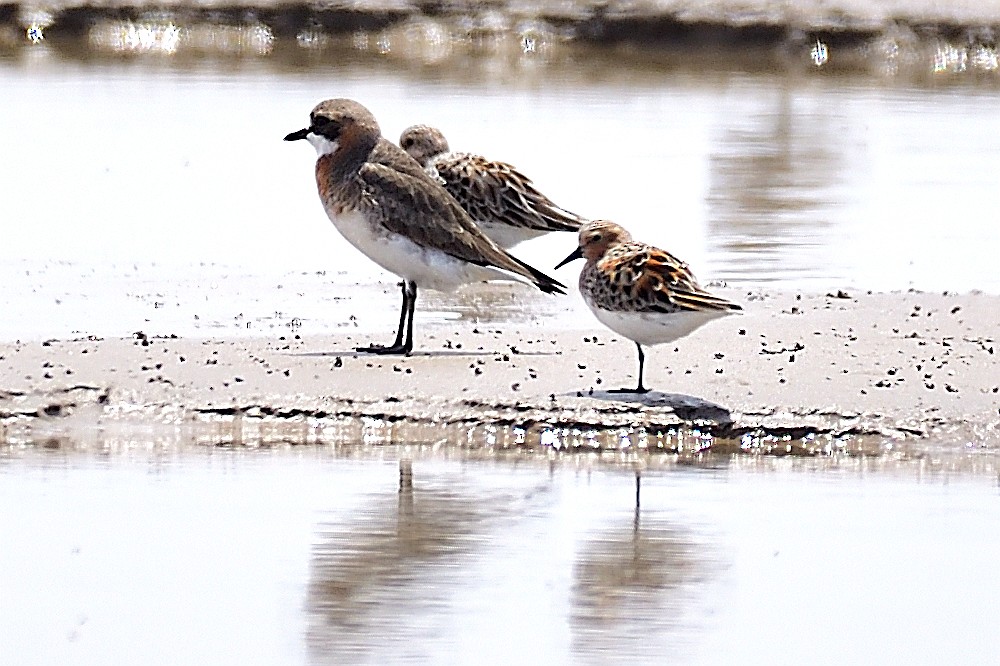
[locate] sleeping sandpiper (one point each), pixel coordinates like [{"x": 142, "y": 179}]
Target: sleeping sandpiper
[
  {"x": 385, "y": 205},
  {"x": 641, "y": 292},
  {"x": 501, "y": 200}
]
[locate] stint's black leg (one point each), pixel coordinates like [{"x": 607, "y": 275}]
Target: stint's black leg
[
  {"x": 640, "y": 388},
  {"x": 642, "y": 360},
  {"x": 398, "y": 347}
]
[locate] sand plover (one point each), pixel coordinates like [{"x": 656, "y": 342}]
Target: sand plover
[
  {"x": 387, "y": 206},
  {"x": 639, "y": 291},
  {"x": 502, "y": 200}
]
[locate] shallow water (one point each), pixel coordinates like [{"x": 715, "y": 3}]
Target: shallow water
[
  {"x": 314, "y": 555},
  {"x": 141, "y": 170},
  {"x": 149, "y": 193},
  {"x": 751, "y": 178}
]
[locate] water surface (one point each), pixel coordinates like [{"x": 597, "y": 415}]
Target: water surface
[
  {"x": 139, "y": 171},
  {"x": 808, "y": 175},
  {"x": 313, "y": 555},
  {"x": 144, "y": 191}
]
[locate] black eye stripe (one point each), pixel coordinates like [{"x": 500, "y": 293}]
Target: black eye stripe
[{"x": 325, "y": 127}]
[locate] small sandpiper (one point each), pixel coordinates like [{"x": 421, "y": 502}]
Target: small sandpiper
[
  {"x": 388, "y": 207},
  {"x": 502, "y": 201},
  {"x": 641, "y": 292}
]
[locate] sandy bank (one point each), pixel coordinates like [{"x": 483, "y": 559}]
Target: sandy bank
[
  {"x": 835, "y": 15},
  {"x": 435, "y": 30},
  {"x": 911, "y": 372}
]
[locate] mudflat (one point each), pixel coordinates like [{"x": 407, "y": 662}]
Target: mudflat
[{"x": 906, "y": 372}]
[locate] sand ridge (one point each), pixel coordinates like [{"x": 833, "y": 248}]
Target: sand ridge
[{"x": 795, "y": 373}]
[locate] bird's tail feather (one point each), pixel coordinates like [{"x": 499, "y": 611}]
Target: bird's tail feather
[{"x": 545, "y": 283}]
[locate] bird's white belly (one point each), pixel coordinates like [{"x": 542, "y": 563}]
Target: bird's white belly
[
  {"x": 507, "y": 236},
  {"x": 428, "y": 267},
  {"x": 654, "y": 328}
]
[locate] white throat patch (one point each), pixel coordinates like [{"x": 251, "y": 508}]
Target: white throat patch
[{"x": 322, "y": 144}]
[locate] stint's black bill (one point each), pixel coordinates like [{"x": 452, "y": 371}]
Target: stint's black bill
[
  {"x": 576, "y": 254},
  {"x": 295, "y": 136}
]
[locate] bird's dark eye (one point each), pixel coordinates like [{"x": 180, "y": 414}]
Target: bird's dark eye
[
  {"x": 326, "y": 127},
  {"x": 407, "y": 142}
]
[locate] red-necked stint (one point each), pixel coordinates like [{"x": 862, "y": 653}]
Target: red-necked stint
[
  {"x": 503, "y": 201},
  {"x": 388, "y": 207},
  {"x": 641, "y": 292}
]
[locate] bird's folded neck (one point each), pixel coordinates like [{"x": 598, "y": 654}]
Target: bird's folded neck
[{"x": 341, "y": 159}]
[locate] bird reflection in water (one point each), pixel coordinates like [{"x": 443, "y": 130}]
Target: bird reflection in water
[
  {"x": 634, "y": 581},
  {"x": 383, "y": 582},
  {"x": 411, "y": 571}
]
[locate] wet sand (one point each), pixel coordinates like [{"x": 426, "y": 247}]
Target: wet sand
[
  {"x": 888, "y": 37},
  {"x": 911, "y": 373},
  {"x": 756, "y": 20}
]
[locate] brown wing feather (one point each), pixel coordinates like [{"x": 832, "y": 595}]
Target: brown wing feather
[
  {"x": 389, "y": 154},
  {"x": 667, "y": 280},
  {"x": 520, "y": 192},
  {"x": 498, "y": 191},
  {"x": 413, "y": 204}
]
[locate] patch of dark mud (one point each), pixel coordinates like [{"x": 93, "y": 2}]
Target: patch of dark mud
[
  {"x": 602, "y": 428},
  {"x": 655, "y": 424},
  {"x": 19, "y": 404},
  {"x": 720, "y": 34}
]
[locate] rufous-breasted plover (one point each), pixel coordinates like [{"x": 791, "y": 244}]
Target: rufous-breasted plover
[{"x": 387, "y": 206}]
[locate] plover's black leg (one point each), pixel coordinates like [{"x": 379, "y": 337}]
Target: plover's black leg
[
  {"x": 387, "y": 206},
  {"x": 399, "y": 346},
  {"x": 411, "y": 288}
]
